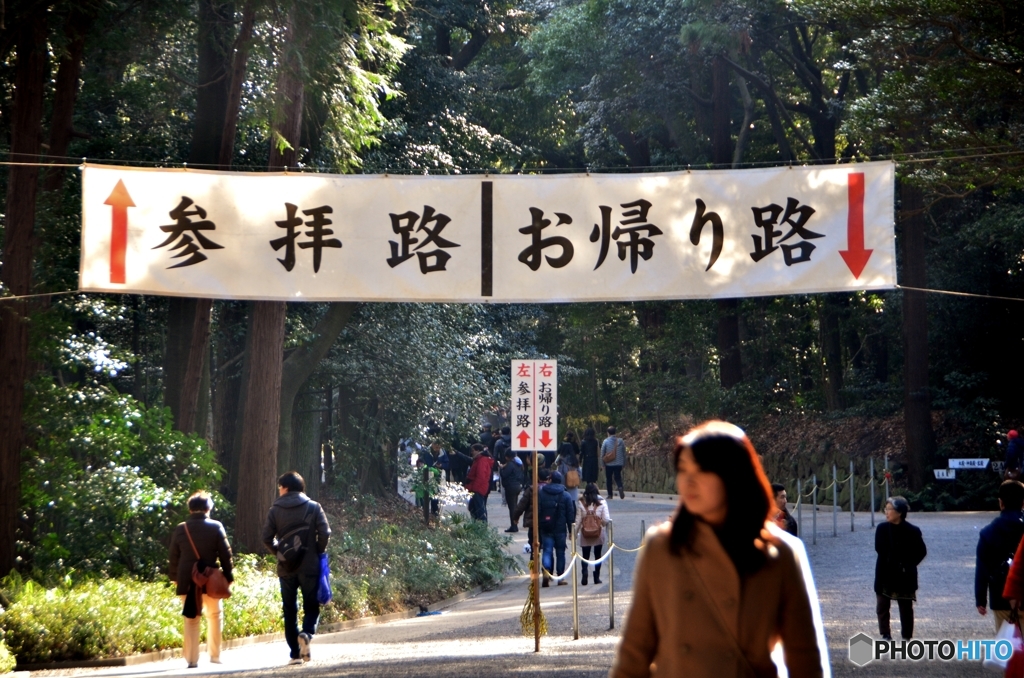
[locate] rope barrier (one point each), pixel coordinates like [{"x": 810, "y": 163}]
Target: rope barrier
[
  {"x": 599, "y": 561},
  {"x": 616, "y": 546},
  {"x": 843, "y": 482},
  {"x": 565, "y": 573}
]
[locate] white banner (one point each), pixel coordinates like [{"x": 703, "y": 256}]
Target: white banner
[
  {"x": 501, "y": 238},
  {"x": 977, "y": 464},
  {"x": 534, "y": 405}
]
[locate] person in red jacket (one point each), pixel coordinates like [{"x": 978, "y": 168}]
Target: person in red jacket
[{"x": 478, "y": 482}]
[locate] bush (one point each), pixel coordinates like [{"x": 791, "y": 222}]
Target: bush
[
  {"x": 117, "y": 617},
  {"x": 7, "y": 661}
]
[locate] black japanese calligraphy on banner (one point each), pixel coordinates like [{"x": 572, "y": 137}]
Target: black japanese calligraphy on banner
[{"x": 564, "y": 238}]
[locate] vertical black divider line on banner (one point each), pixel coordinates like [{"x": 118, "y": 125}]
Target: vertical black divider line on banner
[{"x": 487, "y": 238}]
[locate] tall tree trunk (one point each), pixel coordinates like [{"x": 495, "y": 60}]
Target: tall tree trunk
[
  {"x": 730, "y": 362},
  {"x": 327, "y": 433},
  {"x": 262, "y": 419},
  {"x": 303, "y": 361},
  {"x": 917, "y": 414},
  {"x": 64, "y": 95},
  {"x": 186, "y": 366},
  {"x": 305, "y": 444},
  {"x": 30, "y": 79},
  {"x": 831, "y": 351}
]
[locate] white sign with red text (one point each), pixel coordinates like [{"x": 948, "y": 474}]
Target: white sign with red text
[{"x": 534, "y": 405}]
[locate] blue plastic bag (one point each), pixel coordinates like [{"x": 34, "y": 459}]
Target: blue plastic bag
[{"x": 323, "y": 592}]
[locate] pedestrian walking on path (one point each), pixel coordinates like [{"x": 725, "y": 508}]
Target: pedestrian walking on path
[
  {"x": 478, "y": 482},
  {"x": 557, "y": 513},
  {"x": 296, "y": 532},
  {"x": 997, "y": 545},
  {"x": 613, "y": 454},
  {"x": 715, "y": 587},
  {"x": 512, "y": 479},
  {"x": 589, "y": 460},
  {"x": 592, "y": 516},
  {"x": 201, "y": 541},
  {"x": 900, "y": 548}
]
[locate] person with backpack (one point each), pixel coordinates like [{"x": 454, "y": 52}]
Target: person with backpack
[
  {"x": 567, "y": 463},
  {"x": 997, "y": 544},
  {"x": 203, "y": 542},
  {"x": 296, "y": 532},
  {"x": 557, "y": 512},
  {"x": 592, "y": 511},
  {"x": 613, "y": 454},
  {"x": 524, "y": 509}
]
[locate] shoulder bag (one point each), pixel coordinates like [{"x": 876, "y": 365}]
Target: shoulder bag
[
  {"x": 609, "y": 457},
  {"x": 210, "y": 580}
]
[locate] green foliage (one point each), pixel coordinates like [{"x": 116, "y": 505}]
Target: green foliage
[
  {"x": 7, "y": 660},
  {"x": 105, "y": 481},
  {"x": 116, "y": 617}
]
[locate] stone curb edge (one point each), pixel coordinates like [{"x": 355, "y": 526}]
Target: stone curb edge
[{"x": 22, "y": 670}]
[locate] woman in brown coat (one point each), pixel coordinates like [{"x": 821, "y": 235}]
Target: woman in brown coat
[
  {"x": 717, "y": 587},
  {"x": 211, "y": 542}
]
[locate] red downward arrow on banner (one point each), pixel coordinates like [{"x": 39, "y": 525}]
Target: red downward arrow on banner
[
  {"x": 524, "y": 438},
  {"x": 855, "y": 256},
  {"x": 120, "y": 201},
  {"x": 545, "y": 437}
]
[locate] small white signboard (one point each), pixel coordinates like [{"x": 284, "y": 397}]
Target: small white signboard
[
  {"x": 534, "y": 405},
  {"x": 945, "y": 474},
  {"x": 975, "y": 464}
]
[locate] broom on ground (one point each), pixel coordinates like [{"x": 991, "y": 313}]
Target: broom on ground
[{"x": 532, "y": 615}]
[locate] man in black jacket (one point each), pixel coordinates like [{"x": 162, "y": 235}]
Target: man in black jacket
[
  {"x": 557, "y": 513},
  {"x": 512, "y": 479},
  {"x": 292, "y": 511},
  {"x": 997, "y": 545}
]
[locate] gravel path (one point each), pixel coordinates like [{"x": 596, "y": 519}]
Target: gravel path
[{"x": 481, "y": 636}]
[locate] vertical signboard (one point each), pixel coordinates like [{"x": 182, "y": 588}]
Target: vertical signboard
[{"x": 534, "y": 405}]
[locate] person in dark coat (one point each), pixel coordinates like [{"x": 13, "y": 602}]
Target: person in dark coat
[
  {"x": 292, "y": 508},
  {"x": 512, "y": 479},
  {"x": 554, "y": 501},
  {"x": 997, "y": 544},
  {"x": 1014, "y": 456},
  {"x": 900, "y": 550},
  {"x": 588, "y": 457},
  {"x": 212, "y": 544},
  {"x": 783, "y": 518}
]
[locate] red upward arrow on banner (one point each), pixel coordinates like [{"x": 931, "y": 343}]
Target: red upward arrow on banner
[
  {"x": 545, "y": 437},
  {"x": 524, "y": 438},
  {"x": 855, "y": 256},
  {"x": 120, "y": 201}
]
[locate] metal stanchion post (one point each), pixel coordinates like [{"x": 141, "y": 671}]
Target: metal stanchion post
[
  {"x": 872, "y": 486},
  {"x": 611, "y": 577},
  {"x": 575, "y": 587},
  {"x": 835, "y": 503},
  {"x": 814, "y": 510},
  {"x": 853, "y": 489},
  {"x": 643, "y": 531},
  {"x": 799, "y": 508},
  {"x": 886, "y": 497}
]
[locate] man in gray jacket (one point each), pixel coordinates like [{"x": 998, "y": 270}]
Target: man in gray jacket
[{"x": 295, "y": 517}]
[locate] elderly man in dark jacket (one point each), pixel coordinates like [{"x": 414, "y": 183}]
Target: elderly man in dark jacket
[
  {"x": 291, "y": 511},
  {"x": 557, "y": 511},
  {"x": 900, "y": 550},
  {"x": 211, "y": 543},
  {"x": 997, "y": 543}
]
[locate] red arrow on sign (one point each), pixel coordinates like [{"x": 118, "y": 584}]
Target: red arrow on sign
[
  {"x": 545, "y": 437},
  {"x": 524, "y": 438},
  {"x": 855, "y": 256},
  {"x": 120, "y": 201}
]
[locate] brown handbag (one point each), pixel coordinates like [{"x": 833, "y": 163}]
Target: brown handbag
[{"x": 210, "y": 580}]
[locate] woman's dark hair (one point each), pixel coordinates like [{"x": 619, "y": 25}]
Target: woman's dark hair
[
  {"x": 592, "y": 495},
  {"x": 723, "y": 449},
  {"x": 570, "y": 436},
  {"x": 292, "y": 481},
  {"x": 589, "y": 434}
]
